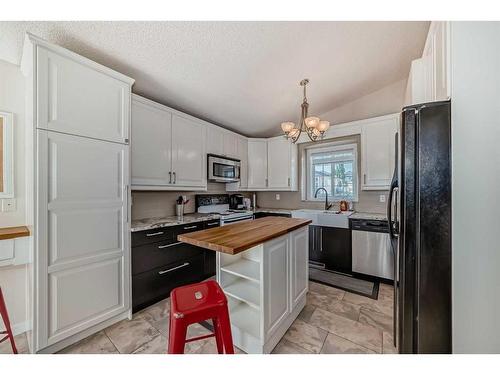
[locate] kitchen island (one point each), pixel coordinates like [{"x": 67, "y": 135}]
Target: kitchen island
[{"x": 262, "y": 266}]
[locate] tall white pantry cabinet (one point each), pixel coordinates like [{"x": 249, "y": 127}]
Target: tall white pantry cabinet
[{"x": 78, "y": 115}]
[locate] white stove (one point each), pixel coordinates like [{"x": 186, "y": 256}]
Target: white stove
[{"x": 219, "y": 204}]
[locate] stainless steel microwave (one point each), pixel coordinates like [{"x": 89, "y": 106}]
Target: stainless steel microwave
[{"x": 223, "y": 169}]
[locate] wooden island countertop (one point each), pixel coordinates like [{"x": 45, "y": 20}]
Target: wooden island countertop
[{"x": 235, "y": 238}]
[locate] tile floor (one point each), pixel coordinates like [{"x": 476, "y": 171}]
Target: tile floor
[{"x": 333, "y": 321}]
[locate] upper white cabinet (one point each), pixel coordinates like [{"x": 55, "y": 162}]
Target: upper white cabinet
[
  {"x": 230, "y": 144},
  {"x": 188, "y": 152},
  {"x": 222, "y": 142},
  {"x": 215, "y": 140},
  {"x": 168, "y": 148},
  {"x": 75, "y": 98},
  {"x": 429, "y": 78},
  {"x": 281, "y": 164},
  {"x": 272, "y": 164},
  {"x": 151, "y": 145},
  {"x": 378, "y": 152},
  {"x": 257, "y": 164}
]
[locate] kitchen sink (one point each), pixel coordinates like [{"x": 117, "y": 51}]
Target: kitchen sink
[{"x": 336, "y": 219}]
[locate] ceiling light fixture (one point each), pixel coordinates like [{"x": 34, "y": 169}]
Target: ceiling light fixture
[{"x": 313, "y": 126}]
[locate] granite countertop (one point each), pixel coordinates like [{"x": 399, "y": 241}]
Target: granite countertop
[
  {"x": 368, "y": 216},
  {"x": 274, "y": 210},
  {"x": 167, "y": 221}
]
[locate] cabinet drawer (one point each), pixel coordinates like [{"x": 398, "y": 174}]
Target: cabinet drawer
[
  {"x": 188, "y": 227},
  {"x": 150, "y": 256},
  {"x": 153, "y": 235},
  {"x": 155, "y": 285},
  {"x": 211, "y": 224}
]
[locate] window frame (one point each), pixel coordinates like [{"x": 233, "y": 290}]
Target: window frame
[{"x": 309, "y": 196}]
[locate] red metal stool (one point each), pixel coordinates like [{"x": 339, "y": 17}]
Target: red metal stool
[
  {"x": 6, "y": 323},
  {"x": 196, "y": 303}
]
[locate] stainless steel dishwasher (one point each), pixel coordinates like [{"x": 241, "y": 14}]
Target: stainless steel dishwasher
[{"x": 371, "y": 248}]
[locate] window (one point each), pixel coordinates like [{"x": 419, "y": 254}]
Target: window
[{"x": 335, "y": 169}]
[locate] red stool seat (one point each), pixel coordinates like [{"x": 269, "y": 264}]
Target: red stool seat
[
  {"x": 196, "y": 303},
  {"x": 6, "y": 322}
]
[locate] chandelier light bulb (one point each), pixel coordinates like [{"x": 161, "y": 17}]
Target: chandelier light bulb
[
  {"x": 287, "y": 126},
  {"x": 323, "y": 126},
  {"x": 312, "y": 122}
]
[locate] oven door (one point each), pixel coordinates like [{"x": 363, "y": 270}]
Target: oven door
[{"x": 222, "y": 169}]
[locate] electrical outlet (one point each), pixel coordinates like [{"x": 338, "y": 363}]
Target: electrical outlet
[
  {"x": 382, "y": 198},
  {"x": 8, "y": 205},
  {"x": 277, "y": 197}
]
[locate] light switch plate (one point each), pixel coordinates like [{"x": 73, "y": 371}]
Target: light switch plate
[
  {"x": 278, "y": 197},
  {"x": 8, "y": 205},
  {"x": 382, "y": 198}
]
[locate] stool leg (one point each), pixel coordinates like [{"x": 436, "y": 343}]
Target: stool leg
[
  {"x": 6, "y": 322},
  {"x": 177, "y": 335},
  {"x": 225, "y": 326},
  {"x": 218, "y": 336}
]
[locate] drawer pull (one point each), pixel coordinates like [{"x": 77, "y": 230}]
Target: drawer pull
[
  {"x": 165, "y": 246},
  {"x": 191, "y": 227},
  {"x": 153, "y": 234},
  {"x": 210, "y": 224},
  {"x": 173, "y": 269}
]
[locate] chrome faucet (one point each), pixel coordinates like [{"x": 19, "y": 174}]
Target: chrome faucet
[{"x": 327, "y": 206}]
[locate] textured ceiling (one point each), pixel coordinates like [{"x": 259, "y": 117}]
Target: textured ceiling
[{"x": 241, "y": 75}]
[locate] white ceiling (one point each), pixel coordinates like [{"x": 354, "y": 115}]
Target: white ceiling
[{"x": 241, "y": 75}]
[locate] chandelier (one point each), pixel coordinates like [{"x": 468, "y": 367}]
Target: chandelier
[{"x": 313, "y": 126}]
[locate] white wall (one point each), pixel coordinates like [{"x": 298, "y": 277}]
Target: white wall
[
  {"x": 387, "y": 100},
  {"x": 12, "y": 100},
  {"x": 13, "y": 280},
  {"x": 475, "y": 123}
]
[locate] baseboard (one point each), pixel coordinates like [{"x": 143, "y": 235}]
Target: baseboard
[{"x": 81, "y": 335}]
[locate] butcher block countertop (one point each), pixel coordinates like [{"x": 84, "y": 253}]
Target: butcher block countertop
[
  {"x": 13, "y": 232},
  {"x": 235, "y": 238}
]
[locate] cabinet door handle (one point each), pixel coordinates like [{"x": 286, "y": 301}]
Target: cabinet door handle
[
  {"x": 170, "y": 245},
  {"x": 191, "y": 227},
  {"x": 321, "y": 239},
  {"x": 175, "y": 177},
  {"x": 364, "y": 178},
  {"x": 211, "y": 224},
  {"x": 267, "y": 182},
  {"x": 173, "y": 268},
  {"x": 288, "y": 181},
  {"x": 153, "y": 234},
  {"x": 127, "y": 200},
  {"x": 169, "y": 177}
]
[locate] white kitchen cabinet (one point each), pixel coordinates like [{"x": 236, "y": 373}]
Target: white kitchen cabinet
[
  {"x": 151, "y": 145},
  {"x": 378, "y": 152},
  {"x": 281, "y": 164},
  {"x": 242, "y": 148},
  {"x": 188, "y": 152},
  {"x": 299, "y": 266},
  {"x": 272, "y": 164},
  {"x": 276, "y": 278},
  {"x": 215, "y": 140},
  {"x": 429, "y": 78},
  {"x": 266, "y": 287},
  {"x": 257, "y": 164},
  {"x": 168, "y": 148},
  {"x": 79, "y": 190},
  {"x": 76, "y": 98},
  {"x": 230, "y": 148},
  {"x": 83, "y": 233}
]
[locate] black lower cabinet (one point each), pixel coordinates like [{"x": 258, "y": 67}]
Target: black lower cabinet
[
  {"x": 160, "y": 263},
  {"x": 152, "y": 286},
  {"x": 258, "y": 215},
  {"x": 330, "y": 248}
]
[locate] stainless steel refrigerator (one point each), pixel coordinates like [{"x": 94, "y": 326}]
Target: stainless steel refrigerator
[{"x": 419, "y": 215}]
